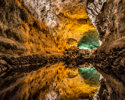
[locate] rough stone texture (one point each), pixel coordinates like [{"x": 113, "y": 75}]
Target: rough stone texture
[
  {"x": 67, "y": 19},
  {"x": 110, "y": 21},
  {"x": 42, "y": 9},
  {"x": 42, "y": 76},
  {"x": 20, "y": 33},
  {"x": 38, "y": 27},
  {"x": 33, "y": 77},
  {"x": 28, "y": 24}
]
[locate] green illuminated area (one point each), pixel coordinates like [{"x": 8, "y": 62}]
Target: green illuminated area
[
  {"x": 89, "y": 41},
  {"x": 90, "y": 75}
]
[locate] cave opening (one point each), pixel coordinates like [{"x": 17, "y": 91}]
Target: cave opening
[
  {"x": 43, "y": 50},
  {"x": 90, "y": 41}
]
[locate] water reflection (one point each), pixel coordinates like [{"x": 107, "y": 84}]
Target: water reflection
[
  {"x": 50, "y": 82},
  {"x": 90, "y": 75},
  {"x": 69, "y": 85}
]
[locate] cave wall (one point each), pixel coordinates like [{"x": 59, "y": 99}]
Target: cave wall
[
  {"x": 66, "y": 19},
  {"x": 20, "y": 33},
  {"x": 108, "y": 16},
  {"x": 30, "y": 27},
  {"x": 26, "y": 29},
  {"x": 27, "y": 25}
]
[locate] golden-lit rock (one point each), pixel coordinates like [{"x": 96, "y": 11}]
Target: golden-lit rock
[
  {"x": 64, "y": 18},
  {"x": 42, "y": 28},
  {"x": 73, "y": 23},
  {"x": 24, "y": 35}
]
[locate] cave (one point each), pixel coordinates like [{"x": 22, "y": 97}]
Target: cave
[
  {"x": 62, "y": 50},
  {"x": 90, "y": 40}
]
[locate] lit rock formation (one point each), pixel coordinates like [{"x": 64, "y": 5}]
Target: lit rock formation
[
  {"x": 108, "y": 17},
  {"x": 67, "y": 21},
  {"x": 20, "y": 33},
  {"x": 35, "y": 62},
  {"x": 27, "y": 25},
  {"x": 39, "y": 57}
]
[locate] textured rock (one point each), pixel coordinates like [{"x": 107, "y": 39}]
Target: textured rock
[
  {"x": 36, "y": 77},
  {"x": 44, "y": 76},
  {"x": 20, "y": 33},
  {"x": 42, "y": 10},
  {"x": 67, "y": 20},
  {"x": 109, "y": 21},
  {"x": 31, "y": 64},
  {"x": 59, "y": 24}
]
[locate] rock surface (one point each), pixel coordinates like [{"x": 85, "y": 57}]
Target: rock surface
[
  {"x": 42, "y": 77},
  {"x": 109, "y": 21},
  {"x": 33, "y": 37},
  {"x": 67, "y": 20},
  {"x": 20, "y": 33}
]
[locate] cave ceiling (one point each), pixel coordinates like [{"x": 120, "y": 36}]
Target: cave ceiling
[{"x": 67, "y": 20}]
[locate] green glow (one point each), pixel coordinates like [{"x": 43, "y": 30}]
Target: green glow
[
  {"x": 90, "y": 75},
  {"x": 89, "y": 41}
]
